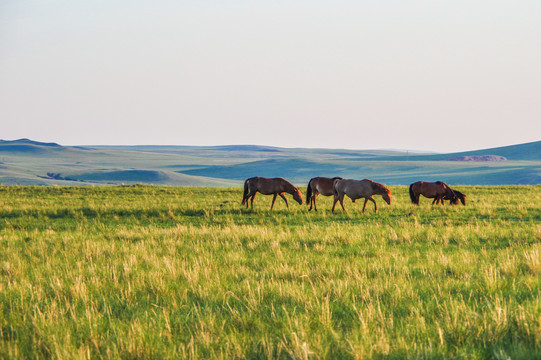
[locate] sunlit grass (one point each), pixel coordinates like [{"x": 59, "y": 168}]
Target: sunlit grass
[{"x": 162, "y": 272}]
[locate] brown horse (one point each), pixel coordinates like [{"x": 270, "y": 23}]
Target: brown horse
[
  {"x": 266, "y": 186},
  {"x": 436, "y": 190},
  {"x": 356, "y": 189},
  {"x": 459, "y": 196},
  {"x": 316, "y": 186}
]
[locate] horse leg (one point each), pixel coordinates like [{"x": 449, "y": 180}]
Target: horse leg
[
  {"x": 313, "y": 201},
  {"x": 365, "y": 201},
  {"x": 283, "y": 197},
  {"x": 342, "y": 202},
  {"x": 273, "y": 200},
  {"x": 375, "y": 206},
  {"x": 247, "y": 199},
  {"x": 251, "y": 200},
  {"x": 334, "y": 203}
]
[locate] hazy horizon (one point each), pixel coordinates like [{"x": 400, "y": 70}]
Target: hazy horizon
[
  {"x": 424, "y": 76},
  {"x": 272, "y": 146}
]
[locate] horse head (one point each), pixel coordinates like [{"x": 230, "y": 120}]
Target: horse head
[
  {"x": 387, "y": 196},
  {"x": 460, "y": 196},
  {"x": 297, "y": 195},
  {"x": 383, "y": 191}
]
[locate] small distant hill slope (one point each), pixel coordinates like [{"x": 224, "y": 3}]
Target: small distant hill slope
[
  {"x": 28, "y": 146},
  {"x": 288, "y": 168},
  {"x": 477, "y": 158},
  {"x": 147, "y": 177},
  {"x": 124, "y": 175},
  {"x": 528, "y": 151}
]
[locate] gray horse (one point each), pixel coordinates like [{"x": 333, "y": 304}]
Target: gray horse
[{"x": 356, "y": 189}]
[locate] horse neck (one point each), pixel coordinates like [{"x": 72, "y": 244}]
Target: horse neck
[
  {"x": 289, "y": 188},
  {"x": 378, "y": 188},
  {"x": 448, "y": 190}
]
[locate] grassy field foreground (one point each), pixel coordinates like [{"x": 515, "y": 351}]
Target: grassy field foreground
[{"x": 164, "y": 272}]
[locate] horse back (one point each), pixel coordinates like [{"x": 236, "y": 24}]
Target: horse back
[
  {"x": 351, "y": 187},
  {"x": 269, "y": 186},
  {"x": 323, "y": 185},
  {"x": 429, "y": 189}
]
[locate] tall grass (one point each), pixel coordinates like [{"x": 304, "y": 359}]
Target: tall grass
[{"x": 162, "y": 272}]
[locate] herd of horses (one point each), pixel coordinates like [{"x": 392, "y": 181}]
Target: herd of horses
[{"x": 338, "y": 187}]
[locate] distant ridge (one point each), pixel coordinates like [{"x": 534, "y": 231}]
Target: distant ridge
[
  {"x": 28, "y": 162},
  {"x": 26, "y": 141},
  {"x": 28, "y": 146},
  {"x": 526, "y": 151}
]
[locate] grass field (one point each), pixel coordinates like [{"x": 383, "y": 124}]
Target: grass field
[{"x": 165, "y": 272}]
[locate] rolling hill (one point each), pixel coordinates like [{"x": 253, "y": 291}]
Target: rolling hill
[
  {"x": 528, "y": 151},
  {"x": 27, "y": 162}
]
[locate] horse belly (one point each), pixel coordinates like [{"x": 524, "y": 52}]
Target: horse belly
[
  {"x": 324, "y": 191},
  {"x": 266, "y": 192}
]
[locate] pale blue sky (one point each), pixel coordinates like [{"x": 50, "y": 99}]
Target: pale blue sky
[{"x": 426, "y": 75}]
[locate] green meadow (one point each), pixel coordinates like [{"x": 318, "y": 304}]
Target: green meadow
[{"x": 157, "y": 272}]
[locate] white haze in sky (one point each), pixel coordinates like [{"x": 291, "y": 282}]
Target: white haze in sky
[{"x": 427, "y": 75}]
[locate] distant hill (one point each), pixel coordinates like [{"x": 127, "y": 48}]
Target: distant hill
[
  {"x": 295, "y": 168},
  {"x": 27, "y": 142},
  {"x": 527, "y": 151},
  {"x": 146, "y": 177},
  {"x": 27, "y": 146},
  {"x": 27, "y": 162},
  {"x": 477, "y": 158}
]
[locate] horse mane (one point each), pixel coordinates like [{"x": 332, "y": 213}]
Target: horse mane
[
  {"x": 336, "y": 178},
  {"x": 444, "y": 185},
  {"x": 378, "y": 186},
  {"x": 290, "y": 186}
]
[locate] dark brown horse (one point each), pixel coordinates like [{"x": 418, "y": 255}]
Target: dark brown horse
[
  {"x": 266, "y": 186},
  {"x": 316, "y": 186},
  {"x": 459, "y": 196},
  {"x": 356, "y": 189},
  {"x": 432, "y": 190}
]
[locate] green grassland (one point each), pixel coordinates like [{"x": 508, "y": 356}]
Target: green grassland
[{"x": 162, "y": 272}]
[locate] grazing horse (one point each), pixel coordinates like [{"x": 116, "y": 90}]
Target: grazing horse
[
  {"x": 459, "y": 196},
  {"x": 436, "y": 190},
  {"x": 266, "y": 186},
  {"x": 316, "y": 186},
  {"x": 356, "y": 189}
]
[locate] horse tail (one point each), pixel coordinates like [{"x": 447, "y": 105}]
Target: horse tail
[
  {"x": 309, "y": 192},
  {"x": 412, "y": 195},
  {"x": 334, "y": 189},
  {"x": 244, "y": 196}
]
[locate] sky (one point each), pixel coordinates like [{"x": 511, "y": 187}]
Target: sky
[{"x": 414, "y": 75}]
